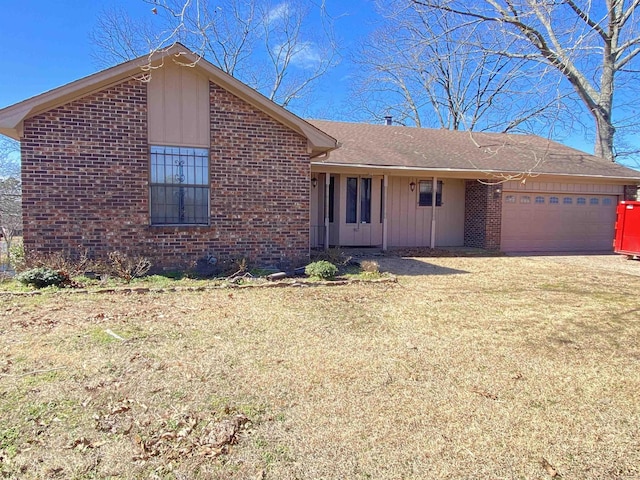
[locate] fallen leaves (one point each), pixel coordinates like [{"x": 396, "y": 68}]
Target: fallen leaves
[
  {"x": 484, "y": 393},
  {"x": 84, "y": 443},
  {"x": 224, "y": 432},
  {"x": 551, "y": 470},
  {"x": 177, "y": 435},
  {"x": 184, "y": 439}
]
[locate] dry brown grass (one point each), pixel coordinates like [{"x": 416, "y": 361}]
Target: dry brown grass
[{"x": 481, "y": 369}]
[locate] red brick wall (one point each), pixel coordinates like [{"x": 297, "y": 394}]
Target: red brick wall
[
  {"x": 85, "y": 171},
  {"x": 482, "y": 215},
  {"x": 260, "y": 173}
]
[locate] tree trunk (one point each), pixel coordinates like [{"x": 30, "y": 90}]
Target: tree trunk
[{"x": 604, "y": 137}]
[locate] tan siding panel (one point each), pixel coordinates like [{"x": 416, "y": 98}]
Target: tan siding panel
[
  {"x": 450, "y": 217},
  {"x": 189, "y": 125},
  {"x": 172, "y": 121},
  {"x": 178, "y": 107},
  {"x": 410, "y": 225}
]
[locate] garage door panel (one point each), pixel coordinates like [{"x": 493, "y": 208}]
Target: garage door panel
[{"x": 557, "y": 222}]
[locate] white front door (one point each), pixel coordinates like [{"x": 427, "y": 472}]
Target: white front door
[{"x": 360, "y": 212}]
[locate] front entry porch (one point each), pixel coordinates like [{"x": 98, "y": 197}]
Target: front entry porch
[{"x": 357, "y": 209}]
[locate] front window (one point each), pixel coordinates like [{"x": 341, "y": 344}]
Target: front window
[
  {"x": 365, "y": 200},
  {"x": 358, "y": 195},
  {"x": 352, "y": 200},
  {"x": 332, "y": 191},
  {"x": 179, "y": 186},
  {"x": 426, "y": 193}
]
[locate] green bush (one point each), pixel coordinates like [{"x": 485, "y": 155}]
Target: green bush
[
  {"x": 321, "y": 269},
  {"x": 44, "y": 277}
]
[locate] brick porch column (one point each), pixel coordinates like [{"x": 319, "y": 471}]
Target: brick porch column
[
  {"x": 482, "y": 215},
  {"x": 631, "y": 192}
]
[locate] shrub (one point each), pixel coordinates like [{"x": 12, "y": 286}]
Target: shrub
[
  {"x": 370, "y": 266},
  {"x": 16, "y": 256},
  {"x": 128, "y": 268},
  {"x": 333, "y": 255},
  {"x": 44, "y": 277},
  {"x": 74, "y": 265},
  {"x": 321, "y": 269}
]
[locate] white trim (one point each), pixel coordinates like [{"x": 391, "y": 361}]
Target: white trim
[
  {"x": 434, "y": 196},
  {"x": 385, "y": 188},
  {"x": 479, "y": 174},
  {"x": 327, "y": 183},
  {"x": 13, "y": 115}
]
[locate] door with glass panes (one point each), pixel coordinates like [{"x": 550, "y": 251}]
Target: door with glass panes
[{"x": 362, "y": 211}]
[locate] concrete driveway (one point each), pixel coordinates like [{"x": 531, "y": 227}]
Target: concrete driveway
[
  {"x": 450, "y": 263},
  {"x": 611, "y": 262}
]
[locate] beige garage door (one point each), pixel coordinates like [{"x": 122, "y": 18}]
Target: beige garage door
[{"x": 555, "y": 222}]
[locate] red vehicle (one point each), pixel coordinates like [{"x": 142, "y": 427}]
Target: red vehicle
[{"x": 627, "y": 241}]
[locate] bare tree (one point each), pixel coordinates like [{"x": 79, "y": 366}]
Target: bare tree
[
  {"x": 10, "y": 191},
  {"x": 423, "y": 69},
  {"x": 592, "y": 45},
  {"x": 9, "y": 158},
  {"x": 270, "y": 46},
  {"x": 118, "y": 38}
]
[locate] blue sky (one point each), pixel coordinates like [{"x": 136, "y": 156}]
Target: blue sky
[{"x": 45, "y": 44}]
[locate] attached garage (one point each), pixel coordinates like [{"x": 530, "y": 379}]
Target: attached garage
[
  {"x": 564, "y": 218},
  {"x": 514, "y": 193}
]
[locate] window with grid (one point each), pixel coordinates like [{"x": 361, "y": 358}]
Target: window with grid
[
  {"x": 179, "y": 186},
  {"x": 425, "y": 193}
]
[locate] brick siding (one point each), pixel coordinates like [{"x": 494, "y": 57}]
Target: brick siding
[
  {"x": 482, "y": 215},
  {"x": 86, "y": 184},
  {"x": 631, "y": 192}
]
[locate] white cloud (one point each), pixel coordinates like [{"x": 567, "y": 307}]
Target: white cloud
[
  {"x": 306, "y": 55},
  {"x": 278, "y": 12}
]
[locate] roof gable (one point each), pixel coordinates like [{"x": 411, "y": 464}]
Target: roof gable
[{"x": 11, "y": 117}]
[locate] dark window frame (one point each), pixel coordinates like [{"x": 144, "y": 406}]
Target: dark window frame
[
  {"x": 425, "y": 199},
  {"x": 179, "y": 186},
  {"x": 358, "y": 202},
  {"x": 353, "y": 192},
  {"x": 366, "y": 191},
  {"x": 332, "y": 197}
]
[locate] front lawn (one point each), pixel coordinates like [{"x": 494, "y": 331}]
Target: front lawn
[{"x": 467, "y": 368}]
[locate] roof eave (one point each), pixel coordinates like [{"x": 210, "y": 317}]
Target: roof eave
[
  {"x": 320, "y": 141},
  {"x": 11, "y": 117},
  {"x": 474, "y": 173}
]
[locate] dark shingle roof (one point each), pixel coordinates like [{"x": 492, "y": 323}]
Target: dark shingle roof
[{"x": 422, "y": 148}]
